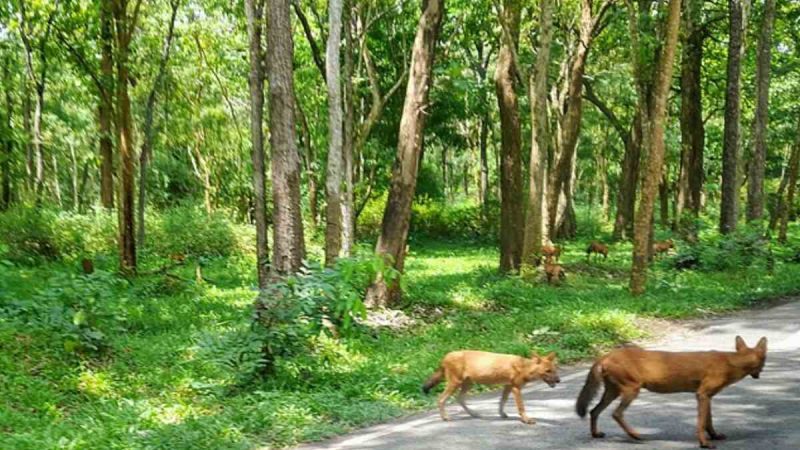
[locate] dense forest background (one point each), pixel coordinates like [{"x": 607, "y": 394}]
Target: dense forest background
[{"x": 301, "y": 190}]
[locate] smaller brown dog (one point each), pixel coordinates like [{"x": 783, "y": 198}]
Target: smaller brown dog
[
  {"x": 598, "y": 248},
  {"x": 661, "y": 248},
  {"x": 554, "y": 272},
  {"x": 463, "y": 368},
  {"x": 551, "y": 251}
]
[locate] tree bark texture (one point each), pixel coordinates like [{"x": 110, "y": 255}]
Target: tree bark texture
[
  {"x": 730, "y": 144},
  {"x": 334, "y": 178},
  {"x": 396, "y": 216}
]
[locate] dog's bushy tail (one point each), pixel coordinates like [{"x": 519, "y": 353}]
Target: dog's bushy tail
[
  {"x": 435, "y": 379},
  {"x": 593, "y": 380}
]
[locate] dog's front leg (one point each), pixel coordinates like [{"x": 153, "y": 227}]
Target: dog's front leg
[
  {"x": 521, "y": 406},
  {"x": 710, "y": 426},
  {"x": 503, "y": 400},
  {"x": 703, "y": 413}
]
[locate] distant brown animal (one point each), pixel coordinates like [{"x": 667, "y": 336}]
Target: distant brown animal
[
  {"x": 597, "y": 248},
  {"x": 553, "y": 272},
  {"x": 88, "y": 266},
  {"x": 551, "y": 251},
  {"x": 179, "y": 258},
  {"x": 626, "y": 370},
  {"x": 463, "y": 368},
  {"x": 661, "y": 248}
]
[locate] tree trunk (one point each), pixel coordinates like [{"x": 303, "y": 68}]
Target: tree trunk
[
  {"x": 691, "y": 177},
  {"x": 755, "y": 187},
  {"x": 26, "y": 125},
  {"x": 663, "y": 198},
  {"x": 534, "y": 235},
  {"x": 396, "y": 216},
  {"x": 7, "y": 140},
  {"x": 124, "y": 122},
  {"x": 730, "y": 144},
  {"x": 288, "y": 244},
  {"x": 484, "y": 157},
  {"x": 511, "y": 210},
  {"x": 655, "y": 160},
  {"x": 334, "y": 178},
  {"x": 73, "y": 176},
  {"x": 105, "y": 108},
  {"x": 56, "y": 182},
  {"x": 348, "y": 211},
  {"x": 148, "y": 132},
  {"x": 254, "y": 10},
  {"x": 788, "y": 206}
]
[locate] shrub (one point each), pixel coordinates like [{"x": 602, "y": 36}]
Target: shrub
[
  {"x": 79, "y": 310},
  {"x": 717, "y": 252},
  {"x": 191, "y": 231}
]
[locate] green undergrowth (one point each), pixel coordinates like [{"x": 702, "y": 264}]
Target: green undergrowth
[{"x": 147, "y": 380}]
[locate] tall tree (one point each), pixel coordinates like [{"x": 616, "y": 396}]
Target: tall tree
[
  {"x": 125, "y": 24},
  {"x": 505, "y": 78},
  {"x": 7, "y": 140},
  {"x": 755, "y": 187},
  {"x": 105, "y": 109},
  {"x": 334, "y": 176},
  {"x": 148, "y": 132},
  {"x": 729, "y": 207},
  {"x": 794, "y": 166},
  {"x": 690, "y": 178},
  {"x": 561, "y": 213},
  {"x": 653, "y": 170},
  {"x": 37, "y": 48},
  {"x": 254, "y": 10},
  {"x": 396, "y": 216},
  {"x": 540, "y": 137},
  {"x": 288, "y": 249}
]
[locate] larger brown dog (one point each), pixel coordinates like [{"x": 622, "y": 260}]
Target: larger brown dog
[
  {"x": 626, "y": 370},
  {"x": 463, "y": 368}
]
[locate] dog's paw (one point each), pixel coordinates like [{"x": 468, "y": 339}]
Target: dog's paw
[
  {"x": 718, "y": 437},
  {"x": 528, "y": 421},
  {"x": 599, "y": 434},
  {"x": 707, "y": 445}
]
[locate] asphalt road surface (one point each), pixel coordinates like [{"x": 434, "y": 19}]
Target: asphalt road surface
[{"x": 763, "y": 413}]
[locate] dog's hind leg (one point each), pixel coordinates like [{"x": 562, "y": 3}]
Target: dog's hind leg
[
  {"x": 448, "y": 391},
  {"x": 609, "y": 395},
  {"x": 628, "y": 394},
  {"x": 462, "y": 397},
  {"x": 504, "y": 400}
]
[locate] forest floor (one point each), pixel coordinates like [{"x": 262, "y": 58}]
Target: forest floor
[{"x": 155, "y": 388}]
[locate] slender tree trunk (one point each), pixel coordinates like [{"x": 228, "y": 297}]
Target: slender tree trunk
[
  {"x": 755, "y": 187},
  {"x": 396, "y": 216},
  {"x": 663, "y": 198},
  {"x": 288, "y": 243},
  {"x": 484, "y": 162},
  {"x": 534, "y": 234},
  {"x": 124, "y": 122},
  {"x": 730, "y": 144},
  {"x": 26, "y": 125},
  {"x": 56, "y": 183},
  {"x": 74, "y": 176},
  {"x": 148, "y": 132},
  {"x": 254, "y": 10},
  {"x": 105, "y": 107},
  {"x": 334, "y": 178},
  {"x": 7, "y": 140},
  {"x": 788, "y": 207},
  {"x": 691, "y": 177},
  {"x": 655, "y": 161},
  {"x": 511, "y": 210},
  {"x": 348, "y": 212}
]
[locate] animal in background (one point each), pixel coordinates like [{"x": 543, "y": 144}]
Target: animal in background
[
  {"x": 87, "y": 265},
  {"x": 661, "y": 248},
  {"x": 597, "y": 248},
  {"x": 461, "y": 369},
  {"x": 178, "y": 258},
  {"x": 551, "y": 251},
  {"x": 626, "y": 370},
  {"x": 553, "y": 272}
]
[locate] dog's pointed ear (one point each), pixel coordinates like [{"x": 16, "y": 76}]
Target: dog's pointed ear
[
  {"x": 762, "y": 344},
  {"x": 740, "y": 345},
  {"x": 551, "y": 356}
]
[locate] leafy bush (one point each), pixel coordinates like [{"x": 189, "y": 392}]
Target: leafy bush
[
  {"x": 715, "y": 252},
  {"x": 33, "y": 234},
  {"x": 191, "y": 231},
  {"x": 79, "y": 310}
]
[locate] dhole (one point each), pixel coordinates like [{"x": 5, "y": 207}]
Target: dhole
[
  {"x": 551, "y": 251},
  {"x": 463, "y": 368},
  {"x": 663, "y": 247},
  {"x": 626, "y": 370},
  {"x": 553, "y": 272},
  {"x": 598, "y": 248}
]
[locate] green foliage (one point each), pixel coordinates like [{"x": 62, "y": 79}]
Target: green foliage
[
  {"x": 77, "y": 311},
  {"x": 742, "y": 249},
  {"x": 193, "y": 232}
]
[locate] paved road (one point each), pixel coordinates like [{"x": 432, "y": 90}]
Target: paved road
[{"x": 753, "y": 413}]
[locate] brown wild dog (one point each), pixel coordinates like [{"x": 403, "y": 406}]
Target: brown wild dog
[
  {"x": 597, "y": 248},
  {"x": 461, "y": 369},
  {"x": 551, "y": 251},
  {"x": 661, "y": 248},
  {"x": 626, "y": 370},
  {"x": 554, "y": 272}
]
